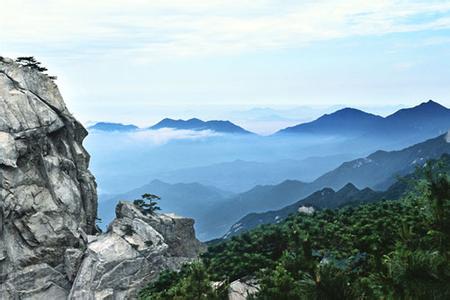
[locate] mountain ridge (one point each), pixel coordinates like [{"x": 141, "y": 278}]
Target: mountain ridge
[
  {"x": 357, "y": 123},
  {"x": 241, "y": 175},
  {"x": 222, "y": 126},
  {"x": 327, "y": 198},
  {"x": 361, "y": 173},
  {"x": 187, "y": 199},
  {"x": 112, "y": 127}
]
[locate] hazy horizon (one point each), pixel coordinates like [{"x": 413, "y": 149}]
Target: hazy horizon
[
  {"x": 121, "y": 61},
  {"x": 262, "y": 120}
]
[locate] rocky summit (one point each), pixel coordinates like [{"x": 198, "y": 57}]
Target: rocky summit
[
  {"x": 50, "y": 247},
  {"x": 134, "y": 250}
]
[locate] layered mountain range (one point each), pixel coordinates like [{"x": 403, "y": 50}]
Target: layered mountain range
[
  {"x": 400, "y": 164},
  {"x": 353, "y": 122},
  {"x": 197, "y": 124},
  {"x": 191, "y": 124},
  {"x": 187, "y": 199},
  {"x": 216, "y": 211},
  {"x": 419, "y": 122},
  {"x": 377, "y": 171},
  {"x": 240, "y": 175}
]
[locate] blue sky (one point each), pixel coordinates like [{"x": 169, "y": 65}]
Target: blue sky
[{"x": 139, "y": 61}]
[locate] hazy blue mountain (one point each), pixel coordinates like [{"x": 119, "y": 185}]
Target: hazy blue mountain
[
  {"x": 239, "y": 175},
  {"x": 106, "y": 126},
  {"x": 426, "y": 118},
  {"x": 412, "y": 124},
  {"x": 215, "y": 211},
  {"x": 346, "y": 121},
  {"x": 122, "y": 162},
  {"x": 420, "y": 113},
  {"x": 197, "y": 124},
  {"x": 379, "y": 168},
  {"x": 325, "y": 198},
  {"x": 258, "y": 199},
  {"x": 186, "y": 199},
  {"x": 299, "y": 113}
]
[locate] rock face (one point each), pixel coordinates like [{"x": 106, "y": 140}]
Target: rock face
[
  {"x": 47, "y": 194},
  {"x": 132, "y": 253},
  {"x": 49, "y": 244}
]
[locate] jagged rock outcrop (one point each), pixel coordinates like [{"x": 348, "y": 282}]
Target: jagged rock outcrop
[
  {"x": 134, "y": 250},
  {"x": 47, "y": 194},
  {"x": 49, "y": 244}
]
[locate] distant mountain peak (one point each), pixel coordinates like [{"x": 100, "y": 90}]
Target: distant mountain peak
[
  {"x": 349, "y": 110},
  {"x": 222, "y": 126},
  {"x": 424, "y": 120},
  {"x": 348, "y": 188},
  {"x": 194, "y": 120},
  {"x": 170, "y": 121},
  {"x": 350, "y": 121},
  {"x": 431, "y": 102},
  {"x": 429, "y": 106},
  {"x": 109, "y": 126}
]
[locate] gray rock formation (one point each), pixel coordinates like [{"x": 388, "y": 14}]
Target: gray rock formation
[
  {"x": 133, "y": 252},
  {"x": 49, "y": 244},
  {"x": 47, "y": 194},
  {"x": 242, "y": 289}
]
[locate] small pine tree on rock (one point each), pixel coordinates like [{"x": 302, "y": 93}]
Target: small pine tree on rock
[
  {"x": 147, "y": 204},
  {"x": 32, "y": 63}
]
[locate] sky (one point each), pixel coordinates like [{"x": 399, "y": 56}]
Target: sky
[{"x": 138, "y": 61}]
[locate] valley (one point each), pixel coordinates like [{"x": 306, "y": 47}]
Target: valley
[{"x": 217, "y": 195}]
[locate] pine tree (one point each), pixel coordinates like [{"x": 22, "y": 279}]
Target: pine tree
[{"x": 147, "y": 205}]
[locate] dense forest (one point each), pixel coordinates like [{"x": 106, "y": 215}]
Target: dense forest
[{"x": 383, "y": 250}]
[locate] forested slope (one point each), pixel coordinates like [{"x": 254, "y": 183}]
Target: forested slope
[{"x": 384, "y": 250}]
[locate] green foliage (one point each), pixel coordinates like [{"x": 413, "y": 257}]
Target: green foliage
[
  {"x": 384, "y": 250},
  {"x": 191, "y": 283},
  {"x": 147, "y": 204},
  {"x": 32, "y": 63}
]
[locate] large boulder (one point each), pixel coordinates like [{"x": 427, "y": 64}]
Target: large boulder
[
  {"x": 132, "y": 252},
  {"x": 47, "y": 194}
]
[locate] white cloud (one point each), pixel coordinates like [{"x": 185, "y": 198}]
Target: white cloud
[
  {"x": 166, "y": 28},
  {"x": 158, "y": 137}
]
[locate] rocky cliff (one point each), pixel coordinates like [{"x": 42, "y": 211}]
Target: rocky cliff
[
  {"x": 134, "y": 250},
  {"x": 49, "y": 244}
]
